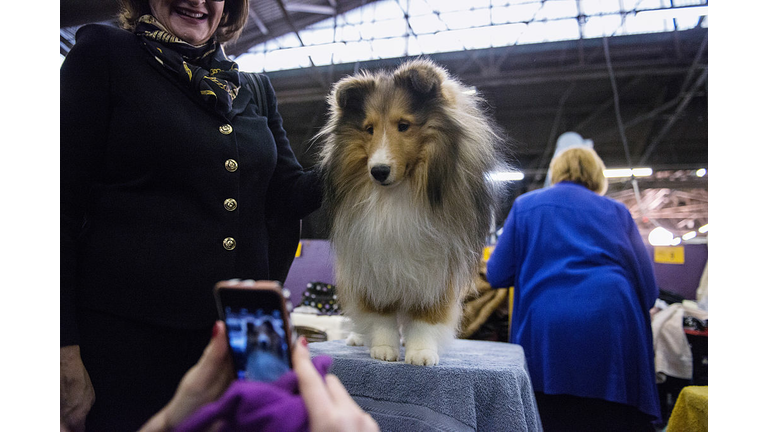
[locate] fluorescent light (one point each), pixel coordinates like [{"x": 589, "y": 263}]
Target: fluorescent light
[
  {"x": 501, "y": 176},
  {"x": 701, "y": 172},
  {"x": 626, "y": 172},
  {"x": 704, "y": 228},
  {"x": 642, "y": 172},
  {"x": 309, "y": 8},
  {"x": 617, "y": 172},
  {"x": 689, "y": 235},
  {"x": 660, "y": 237},
  {"x": 676, "y": 241}
]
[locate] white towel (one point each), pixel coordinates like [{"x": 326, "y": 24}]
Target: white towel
[{"x": 672, "y": 352}]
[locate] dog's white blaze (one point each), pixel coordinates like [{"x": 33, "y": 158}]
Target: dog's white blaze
[{"x": 382, "y": 155}]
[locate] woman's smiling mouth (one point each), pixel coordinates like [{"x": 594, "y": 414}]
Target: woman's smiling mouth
[
  {"x": 193, "y": 21},
  {"x": 191, "y": 14}
]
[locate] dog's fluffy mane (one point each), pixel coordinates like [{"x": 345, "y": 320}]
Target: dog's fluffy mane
[{"x": 442, "y": 211}]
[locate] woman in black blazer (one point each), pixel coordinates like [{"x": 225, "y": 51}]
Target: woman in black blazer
[{"x": 169, "y": 176}]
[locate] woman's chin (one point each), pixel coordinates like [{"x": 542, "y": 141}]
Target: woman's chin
[{"x": 191, "y": 30}]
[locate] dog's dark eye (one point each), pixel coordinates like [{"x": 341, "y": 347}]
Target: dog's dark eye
[
  {"x": 403, "y": 126},
  {"x": 369, "y": 129}
]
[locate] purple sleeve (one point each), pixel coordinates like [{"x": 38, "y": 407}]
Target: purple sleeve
[{"x": 257, "y": 406}]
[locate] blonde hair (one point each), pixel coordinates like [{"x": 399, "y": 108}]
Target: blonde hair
[
  {"x": 232, "y": 20},
  {"x": 580, "y": 165}
]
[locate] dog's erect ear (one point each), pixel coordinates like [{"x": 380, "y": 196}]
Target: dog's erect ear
[
  {"x": 350, "y": 92},
  {"x": 421, "y": 76}
]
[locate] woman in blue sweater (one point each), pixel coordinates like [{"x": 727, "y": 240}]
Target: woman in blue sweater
[{"x": 584, "y": 286}]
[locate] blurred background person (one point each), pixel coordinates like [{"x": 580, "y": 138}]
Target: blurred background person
[{"x": 583, "y": 289}]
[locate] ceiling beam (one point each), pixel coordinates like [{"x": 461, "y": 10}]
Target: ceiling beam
[
  {"x": 671, "y": 122},
  {"x": 501, "y": 79},
  {"x": 553, "y": 132},
  {"x": 256, "y": 20},
  {"x": 605, "y": 105}
]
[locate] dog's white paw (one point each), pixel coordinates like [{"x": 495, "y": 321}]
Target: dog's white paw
[
  {"x": 355, "y": 339},
  {"x": 422, "y": 357},
  {"x": 384, "y": 352}
]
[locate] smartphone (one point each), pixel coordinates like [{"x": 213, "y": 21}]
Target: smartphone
[{"x": 258, "y": 328}]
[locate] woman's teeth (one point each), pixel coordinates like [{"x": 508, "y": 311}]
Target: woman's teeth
[{"x": 195, "y": 15}]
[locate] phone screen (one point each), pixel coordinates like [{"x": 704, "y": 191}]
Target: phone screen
[{"x": 257, "y": 333}]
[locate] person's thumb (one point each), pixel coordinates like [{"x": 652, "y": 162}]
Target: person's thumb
[{"x": 217, "y": 351}]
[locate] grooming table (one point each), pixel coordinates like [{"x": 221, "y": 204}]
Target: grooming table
[{"x": 478, "y": 385}]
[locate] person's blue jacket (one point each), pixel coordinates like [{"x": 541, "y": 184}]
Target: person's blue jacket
[{"x": 583, "y": 288}]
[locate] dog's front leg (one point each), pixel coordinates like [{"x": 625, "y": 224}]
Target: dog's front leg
[
  {"x": 382, "y": 335},
  {"x": 425, "y": 339},
  {"x": 422, "y": 343},
  {"x": 355, "y": 339}
]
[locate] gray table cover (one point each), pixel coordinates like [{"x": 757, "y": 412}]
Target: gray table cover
[{"x": 478, "y": 385}]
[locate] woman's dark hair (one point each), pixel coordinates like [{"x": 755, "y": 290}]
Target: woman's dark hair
[{"x": 232, "y": 20}]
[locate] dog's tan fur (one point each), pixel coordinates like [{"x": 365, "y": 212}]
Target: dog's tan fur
[{"x": 409, "y": 244}]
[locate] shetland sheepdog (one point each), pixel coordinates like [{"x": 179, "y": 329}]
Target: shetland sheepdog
[{"x": 405, "y": 160}]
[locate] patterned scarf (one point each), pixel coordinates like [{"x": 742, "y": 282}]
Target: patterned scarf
[{"x": 204, "y": 68}]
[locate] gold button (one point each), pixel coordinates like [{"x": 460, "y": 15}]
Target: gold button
[
  {"x": 230, "y": 165},
  {"x": 229, "y": 243},
  {"x": 230, "y": 204},
  {"x": 225, "y": 129}
]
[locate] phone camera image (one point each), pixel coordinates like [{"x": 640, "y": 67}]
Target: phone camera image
[{"x": 259, "y": 344}]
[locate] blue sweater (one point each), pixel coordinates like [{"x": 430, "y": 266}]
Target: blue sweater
[{"x": 584, "y": 285}]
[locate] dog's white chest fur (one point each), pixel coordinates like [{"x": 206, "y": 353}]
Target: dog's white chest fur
[{"x": 394, "y": 250}]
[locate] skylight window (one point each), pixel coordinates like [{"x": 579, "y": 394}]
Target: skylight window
[{"x": 396, "y": 28}]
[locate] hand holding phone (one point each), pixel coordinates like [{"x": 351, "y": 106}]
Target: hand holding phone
[{"x": 258, "y": 327}]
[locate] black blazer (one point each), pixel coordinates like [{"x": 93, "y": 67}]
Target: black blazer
[{"x": 161, "y": 196}]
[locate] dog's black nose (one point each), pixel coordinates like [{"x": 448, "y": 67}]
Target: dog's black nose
[{"x": 380, "y": 173}]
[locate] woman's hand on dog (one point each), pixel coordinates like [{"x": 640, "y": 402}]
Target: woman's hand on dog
[
  {"x": 202, "y": 384},
  {"x": 329, "y": 405}
]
